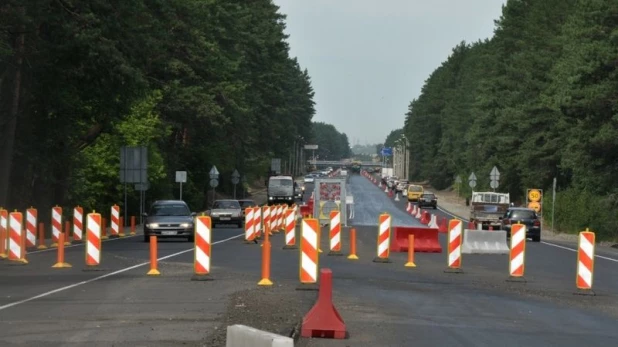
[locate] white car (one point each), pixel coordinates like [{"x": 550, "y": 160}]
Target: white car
[{"x": 308, "y": 179}]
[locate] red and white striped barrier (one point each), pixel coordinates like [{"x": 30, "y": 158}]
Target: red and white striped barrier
[
  {"x": 257, "y": 221},
  {"x": 409, "y": 208},
  {"x": 384, "y": 239},
  {"x": 455, "y": 236},
  {"x": 309, "y": 251},
  {"x": 585, "y": 260},
  {"x": 93, "y": 240},
  {"x": 274, "y": 218},
  {"x": 78, "y": 224},
  {"x": 433, "y": 222},
  {"x": 115, "y": 221},
  {"x": 17, "y": 239},
  {"x": 249, "y": 227},
  {"x": 56, "y": 225},
  {"x": 266, "y": 219},
  {"x": 290, "y": 229},
  {"x": 4, "y": 234},
  {"x": 31, "y": 225},
  {"x": 281, "y": 215},
  {"x": 203, "y": 233},
  {"x": 335, "y": 233},
  {"x": 418, "y": 213},
  {"x": 517, "y": 257}
]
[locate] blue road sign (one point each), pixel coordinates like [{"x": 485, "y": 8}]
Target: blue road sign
[{"x": 387, "y": 151}]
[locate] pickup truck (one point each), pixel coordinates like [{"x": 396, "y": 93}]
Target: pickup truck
[{"x": 488, "y": 207}]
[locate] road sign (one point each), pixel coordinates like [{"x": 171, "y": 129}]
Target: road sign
[
  {"x": 235, "y": 177},
  {"x": 275, "y": 165},
  {"x": 181, "y": 177},
  {"x": 387, "y": 151},
  {"x": 312, "y": 147},
  {"x": 457, "y": 179},
  {"x": 535, "y": 205},
  {"x": 214, "y": 182},
  {"x": 472, "y": 180},
  {"x": 133, "y": 164},
  {"x": 142, "y": 186},
  {"x": 214, "y": 173},
  {"x": 494, "y": 174},
  {"x": 494, "y": 184},
  {"x": 534, "y": 195}
]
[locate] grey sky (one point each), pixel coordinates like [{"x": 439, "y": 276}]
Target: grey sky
[{"x": 368, "y": 59}]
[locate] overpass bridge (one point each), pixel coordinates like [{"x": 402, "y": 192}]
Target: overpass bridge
[{"x": 326, "y": 163}]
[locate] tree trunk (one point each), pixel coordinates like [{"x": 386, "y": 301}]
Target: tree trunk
[{"x": 7, "y": 151}]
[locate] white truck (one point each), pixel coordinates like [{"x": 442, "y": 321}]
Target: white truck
[
  {"x": 386, "y": 172},
  {"x": 486, "y": 208},
  {"x": 280, "y": 190}
]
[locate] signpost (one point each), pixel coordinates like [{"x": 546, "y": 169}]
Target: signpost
[
  {"x": 534, "y": 200},
  {"x": 134, "y": 169},
  {"x": 181, "y": 177},
  {"x": 472, "y": 180},
  {"x": 494, "y": 177},
  {"x": 457, "y": 184},
  {"x": 312, "y": 148},
  {"x": 275, "y": 165},
  {"x": 553, "y": 204},
  {"x": 214, "y": 181},
  {"x": 235, "y": 180}
]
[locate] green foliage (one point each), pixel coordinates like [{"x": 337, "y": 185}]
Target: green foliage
[{"x": 332, "y": 145}]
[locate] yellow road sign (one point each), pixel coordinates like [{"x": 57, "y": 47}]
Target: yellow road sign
[
  {"x": 535, "y": 205},
  {"x": 534, "y": 195}
]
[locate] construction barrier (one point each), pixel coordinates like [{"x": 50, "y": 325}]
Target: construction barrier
[
  {"x": 352, "y": 255},
  {"x": 241, "y": 336},
  {"x": 132, "y": 232},
  {"x": 266, "y": 219},
  {"x": 93, "y": 240},
  {"x": 104, "y": 229},
  {"x": 433, "y": 221},
  {"x": 56, "y": 224},
  {"x": 266, "y": 248},
  {"x": 257, "y": 221},
  {"x": 484, "y": 242},
  {"x": 31, "y": 225},
  {"x": 425, "y": 219},
  {"x": 154, "y": 266},
  {"x": 78, "y": 226},
  {"x": 280, "y": 219},
  {"x": 17, "y": 238},
  {"x": 585, "y": 260},
  {"x": 115, "y": 221},
  {"x": 443, "y": 225},
  {"x": 409, "y": 207},
  {"x": 305, "y": 211},
  {"x": 203, "y": 233},
  {"x": 455, "y": 229},
  {"x": 60, "y": 263},
  {"x": 4, "y": 234},
  {"x": 411, "y": 251},
  {"x": 323, "y": 320},
  {"x": 249, "y": 228},
  {"x": 308, "y": 270},
  {"x": 384, "y": 239},
  {"x": 290, "y": 229},
  {"x": 418, "y": 214},
  {"x": 517, "y": 256},
  {"x": 335, "y": 233},
  {"x": 425, "y": 239},
  {"x": 41, "y": 237}
]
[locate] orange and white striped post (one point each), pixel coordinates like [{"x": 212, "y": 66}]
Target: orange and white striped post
[
  {"x": 290, "y": 229},
  {"x": 16, "y": 238},
  {"x": 266, "y": 219},
  {"x": 273, "y": 219},
  {"x": 308, "y": 270},
  {"x": 335, "y": 233},
  {"x": 517, "y": 257},
  {"x": 585, "y": 262},
  {"x": 249, "y": 227},
  {"x": 202, "y": 258},
  {"x": 31, "y": 225},
  {"x": 41, "y": 237},
  {"x": 279, "y": 222},
  {"x": 56, "y": 225},
  {"x": 78, "y": 224},
  {"x": 4, "y": 234},
  {"x": 257, "y": 221},
  {"x": 94, "y": 226},
  {"x": 384, "y": 239},
  {"x": 455, "y": 237},
  {"x": 115, "y": 221}
]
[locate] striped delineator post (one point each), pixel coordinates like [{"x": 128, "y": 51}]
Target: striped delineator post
[
  {"x": 31, "y": 225},
  {"x": 517, "y": 257},
  {"x": 384, "y": 239},
  {"x": 203, "y": 233},
  {"x": 4, "y": 233},
  {"x": 273, "y": 219},
  {"x": 249, "y": 227},
  {"x": 290, "y": 229},
  {"x": 309, "y": 258},
  {"x": 56, "y": 225},
  {"x": 257, "y": 221},
  {"x": 418, "y": 214},
  {"x": 409, "y": 208},
  {"x": 281, "y": 218},
  {"x": 17, "y": 238},
  {"x": 455, "y": 238},
  {"x": 335, "y": 233},
  {"x": 433, "y": 222},
  {"x": 266, "y": 219},
  {"x": 93, "y": 240},
  {"x": 78, "y": 224},
  {"x": 585, "y": 262},
  {"x": 115, "y": 221}
]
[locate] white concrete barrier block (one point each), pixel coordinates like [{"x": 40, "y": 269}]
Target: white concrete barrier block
[
  {"x": 244, "y": 336},
  {"x": 484, "y": 242}
]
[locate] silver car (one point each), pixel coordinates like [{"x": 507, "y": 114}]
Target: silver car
[
  {"x": 169, "y": 218},
  {"x": 226, "y": 212}
]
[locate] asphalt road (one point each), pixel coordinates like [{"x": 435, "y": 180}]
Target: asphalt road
[{"x": 382, "y": 304}]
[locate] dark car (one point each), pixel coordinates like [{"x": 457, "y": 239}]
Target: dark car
[
  {"x": 525, "y": 216},
  {"x": 428, "y": 200},
  {"x": 169, "y": 218},
  {"x": 244, "y": 203},
  {"x": 226, "y": 212}
]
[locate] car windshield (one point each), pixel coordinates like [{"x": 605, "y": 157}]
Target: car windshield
[
  {"x": 415, "y": 188},
  {"x": 428, "y": 196},
  {"x": 226, "y": 205},
  {"x": 523, "y": 214},
  {"x": 280, "y": 182},
  {"x": 169, "y": 210}
]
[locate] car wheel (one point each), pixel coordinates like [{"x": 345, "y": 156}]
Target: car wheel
[{"x": 239, "y": 225}]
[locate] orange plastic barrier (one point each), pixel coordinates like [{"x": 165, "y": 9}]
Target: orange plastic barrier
[{"x": 425, "y": 240}]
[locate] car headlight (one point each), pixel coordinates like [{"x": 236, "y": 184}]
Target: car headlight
[
  {"x": 270, "y": 198},
  {"x": 152, "y": 225},
  {"x": 186, "y": 225}
]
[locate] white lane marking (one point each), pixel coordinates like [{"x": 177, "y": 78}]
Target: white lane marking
[
  {"x": 4, "y": 307},
  {"x": 543, "y": 242},
  {"x": 80, "y": 244}
]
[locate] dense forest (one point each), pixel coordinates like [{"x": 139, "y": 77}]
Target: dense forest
[
  {"x": 538, "y": 100},
  {"x": 332, "y": 145},
  {"x": 199, "y": 83}
]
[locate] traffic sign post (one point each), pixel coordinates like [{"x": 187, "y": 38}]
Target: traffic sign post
[
  {"x": 235, "y": 180},
  {"x": 214, "y": 181},
  {"x": 457, "y": 184},
  {"x": 534, "y": 200},
  {"x": 181, "y": 177},
  {"x": 472, "y": 180},
  {"x": 494, "y": 178}
]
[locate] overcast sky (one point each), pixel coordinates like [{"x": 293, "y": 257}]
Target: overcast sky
[{"x": 368, "y": 59}]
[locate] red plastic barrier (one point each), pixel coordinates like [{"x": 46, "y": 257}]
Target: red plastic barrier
[
  {"x": 425, "y": 218},
  {"x": 471, "y": 225},
  {"x": 306, "y": 210},
  {"x": 425, "y": 239},
  {"x": 443, "y": 225},
  {"x": 323, "y": 320}
]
